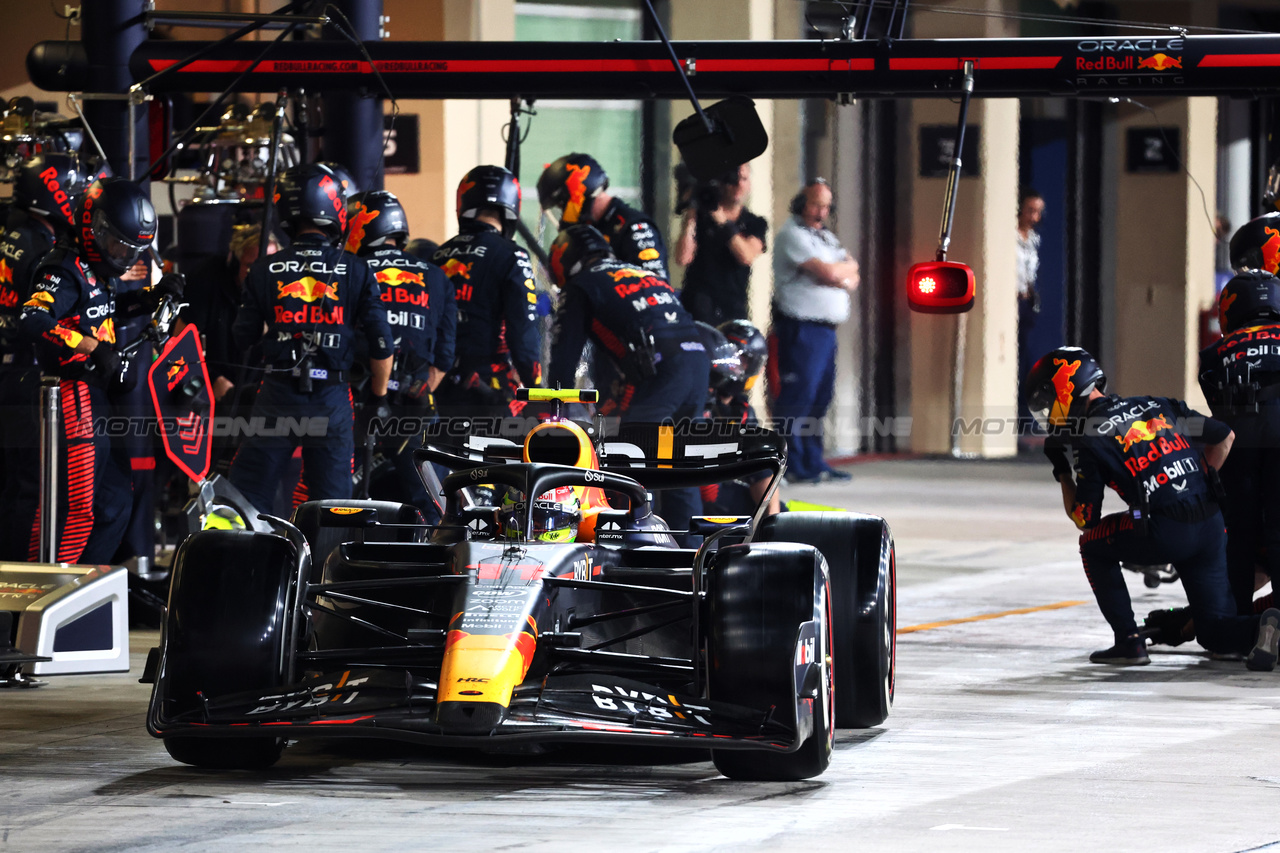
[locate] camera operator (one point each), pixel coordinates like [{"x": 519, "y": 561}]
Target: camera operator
[{"x": 719, "y": 240}]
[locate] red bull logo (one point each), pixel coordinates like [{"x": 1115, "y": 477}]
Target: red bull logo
[
  {"x": 1064, "y": 390},
  {"x": 619, "y": 275},
  {"x": 362, "y": 217},
  {"x": 41, "y": 299},
  {"x": 106, "y": 332},
  {"x": 1081, "y": 514},
  {"x": 1140, "y": 431},
  {"x": 455, "y": 268},
  {"x": 576, "y": 184},
  {"x": 6, "y": 272},
  {"x": 308, "y": 289},
  {"x": 393, "y": 277},
  {"x": 176, "y": 371},
  {"x": 1160, "y": 62}
]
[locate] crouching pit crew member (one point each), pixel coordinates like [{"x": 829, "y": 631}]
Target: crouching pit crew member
[
  {"x": 1240, "y": 377},
  {"x": 498, "y": 344},
  {"x": 423, "y": 317},
  {"x": 71, "y": 316},
  {"x": 1142, "y": 448},
  {"x": 309, "y": 300}
]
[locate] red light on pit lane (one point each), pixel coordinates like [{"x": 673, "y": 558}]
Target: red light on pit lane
[{"x": 940, "y": 287}]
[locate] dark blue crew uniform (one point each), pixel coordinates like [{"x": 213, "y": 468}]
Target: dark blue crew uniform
[
  {"x": 67, "y": 303},
  {"x": 423, "y": 316},
  {"x": 617, "y": 306},
  {"x": 1147, "y": 449},
  {"x": 312, "y": 298},
  {"x": 1240, "y": 377},
  {"x": 24, "y": 242},
  {"x": 498, "y": 342}
]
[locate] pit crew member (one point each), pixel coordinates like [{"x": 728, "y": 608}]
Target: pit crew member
[
  {"x": 71, "y": 316},
  {"x": 309, "y": 301},
  {"x": 1240, "y": 377},
  {"x": 498, "y": 343},
  {"x": 44, "y": 191},
  {"x": 1142, "y": 448},
  {"x": 422, "y": 314}
]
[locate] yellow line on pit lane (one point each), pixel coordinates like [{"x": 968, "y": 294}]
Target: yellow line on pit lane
[{"x": 929, "y": 626}]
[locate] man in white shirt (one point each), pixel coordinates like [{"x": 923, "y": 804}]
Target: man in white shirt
[{"x": 812, "y": 279}]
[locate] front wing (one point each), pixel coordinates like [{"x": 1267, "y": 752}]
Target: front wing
[{"x": 391, "y": 704}]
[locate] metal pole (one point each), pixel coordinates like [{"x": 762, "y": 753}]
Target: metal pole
[
  {"x": 50, "y": 409},
  {"x": 957, "y": 387},
  {"x": 953, "y": 174}
]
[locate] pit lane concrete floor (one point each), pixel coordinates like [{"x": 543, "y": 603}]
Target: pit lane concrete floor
[{"x": 1003, "y": 736}]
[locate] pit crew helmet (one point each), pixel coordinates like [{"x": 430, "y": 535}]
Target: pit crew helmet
[
  {"x": 1059, "y": 385},
  {"x": 726, "y": 365},
  {"x": 422, "y": 248},
  {"x": 374, "y": 216},
  {"x": 312, "y": 196},
  {"x": 571, "y": 184},
  {"x": 1256, "y": 244},
  {"x": 753, "y": 350},
  {"x": 47, "y": 184},
  {"x": 491, "y": 187},
  {"x": 556, "y": 516},
  {"x": 1250, "y": 297},
  {"x": 574, "y": 248},
  {"x": 114, "y": 222},
  {"x": 343, "y": 175}
]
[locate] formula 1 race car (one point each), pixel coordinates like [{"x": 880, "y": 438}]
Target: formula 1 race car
[{"x": 357, "y": 620}]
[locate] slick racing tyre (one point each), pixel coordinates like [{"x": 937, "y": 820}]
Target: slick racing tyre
[
  {"x": 225, "y": 633},
  {"x": 861, "y": 561},
  {"x": 768, "y": 637}
]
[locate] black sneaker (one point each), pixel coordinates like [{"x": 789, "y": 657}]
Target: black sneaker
[
  {"x": 1127, "y": 652},
  {"x": 1262, "y": 657},
  {"x": 835, "y": 474}
]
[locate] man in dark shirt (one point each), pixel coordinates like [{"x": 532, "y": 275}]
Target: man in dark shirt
[
  {"x": 44, "y": 190},
  {"x": 71, "y": 317},
  {"x": 1142, "y": 448},
  {"x": 717, "y": 247},
  {"x": 498, "y": 343},
  {"x": 1240, "y": 377},
  {"x": 309, "y": 300},
  {"x": 423, "y": 317}
]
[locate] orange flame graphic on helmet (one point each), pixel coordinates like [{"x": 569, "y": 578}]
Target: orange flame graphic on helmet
[
  {"x": 1064, "y": 390},
  {"x": 557, "y": 261},
  {"x": 1224, "y": 304},
  {"x": 1271, "y": 251},
  {"x": 308, "y": 289},
  {"x": 361, "y": 217},
  {"x": 462, "y": 190},
  {"x": 576, "y": 184}
]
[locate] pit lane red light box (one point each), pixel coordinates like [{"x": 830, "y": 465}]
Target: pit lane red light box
[{"x": 940, "y": 287}]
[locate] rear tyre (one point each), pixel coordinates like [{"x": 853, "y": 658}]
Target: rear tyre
[
  {"x": 758, "y": 599},
  {"x": 863, "y": 570},
  {"x": 225, "y": 632}
]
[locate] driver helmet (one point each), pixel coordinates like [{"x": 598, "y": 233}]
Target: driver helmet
[
  {"x": 556, "y": 515},
  {"x": 1059, "y": 385}
]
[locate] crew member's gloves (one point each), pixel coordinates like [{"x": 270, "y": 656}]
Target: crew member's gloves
[
  {"x": 1055, "y": 449},
  {"x": 170, "y": 285},
  {"x": 105, "y": 360}
]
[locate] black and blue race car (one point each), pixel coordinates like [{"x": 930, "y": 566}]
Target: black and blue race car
[{"x": 356, "y": 619}]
